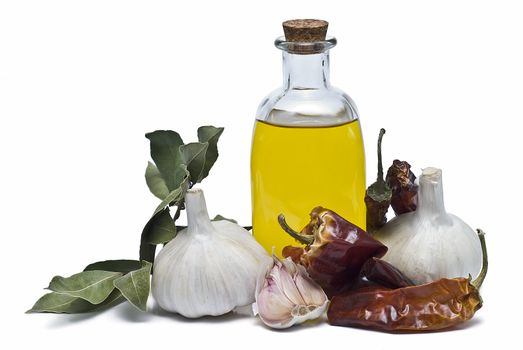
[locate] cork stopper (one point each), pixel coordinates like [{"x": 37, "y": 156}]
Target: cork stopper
[{"x": 305, "y": 30}]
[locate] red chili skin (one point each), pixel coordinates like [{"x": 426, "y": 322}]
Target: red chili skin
[
  {"x": 428, "y": 307},
  {"x": 338, "y": 252}
]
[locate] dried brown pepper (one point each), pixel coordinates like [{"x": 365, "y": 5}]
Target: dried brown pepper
[
  {"x": 378, "y": 196},
  {"x": 437, "y": 305},
  {"x": 384, "y": 274},
  {"x": 335, "y": 249},
  {"x": 404, "y": 189}
]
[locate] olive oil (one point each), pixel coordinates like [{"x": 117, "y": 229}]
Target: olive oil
[{"x": 294, "y": 169}]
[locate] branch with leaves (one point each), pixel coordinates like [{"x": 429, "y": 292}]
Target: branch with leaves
[{"x": 177, "y": 167}]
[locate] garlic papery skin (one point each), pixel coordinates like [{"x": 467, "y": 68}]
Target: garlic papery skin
[
  {"x": 286, "y": 295},
  {"x": 209, "y": 268},
  {"x": 429, "y": 243}
]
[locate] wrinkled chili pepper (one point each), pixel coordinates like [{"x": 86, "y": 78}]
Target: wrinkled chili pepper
[
  {"x": 384, "y": 274},
  {"x": 404, "y": 189},
  {"x": 441, "y": 304},
  {"x": 336, "y": 249},
  {"x": 378, "y": 196}
]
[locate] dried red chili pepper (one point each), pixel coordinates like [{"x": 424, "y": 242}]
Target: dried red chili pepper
[
  {"x": 336, "y": 249},
  {"x": 384, "y": 274},
  {"x": 378, "y": 196},
  {"x": 437, "y": 305},
  {"x": 441, "y": 304},
  {"x": 404, "y": 190},
  {"x": 374, "y": 272}
]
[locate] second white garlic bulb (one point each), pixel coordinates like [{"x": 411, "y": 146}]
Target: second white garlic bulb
[{"x": 429, "y": 243}]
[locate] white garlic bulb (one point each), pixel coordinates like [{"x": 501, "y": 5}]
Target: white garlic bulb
[
  {"x": 429, "y": 243},
  {"x": 209, "y": 268},
  {"x": 286, "y": 295}
]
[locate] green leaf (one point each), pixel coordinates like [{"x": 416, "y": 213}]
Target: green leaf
[
  {"x": 147, "y": 251},
  {"x": 93, "y": 286},
  {"x": 209, "y": 134},
  {"x": 135, "y": 286},
  {"x": 175, "y": 197},
  {"x": 194, "y": 157},
  {"x": 67, "y": 304},
  {"x": 158, "y": 219},
  {"x": 162, "y": 229},
  {"x": 219, "y": 217},
  {"x": 155, "y": 181},
  {"x": 159, "y": 229},
  {"x": 182, "y": 176},
  {"x": 156, "y": 230},
  {"x": 165, "y": 151},
  {"x": 122, "y": 266}
]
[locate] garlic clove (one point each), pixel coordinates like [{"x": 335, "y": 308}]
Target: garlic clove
[
  {"x": 308, "y": 290},
  {"x": 286, "y": 295},
  {"x": 274, "y": 307},
  {"x": 287, "y": 284}
]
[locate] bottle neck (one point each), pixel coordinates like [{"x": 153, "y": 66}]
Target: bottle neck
[{"x": 306, "y": 71}]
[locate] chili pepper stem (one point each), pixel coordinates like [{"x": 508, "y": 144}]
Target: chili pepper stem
[
  {"x": 380, "y": 191},
  {"x": 484, "y": 268},
  {"x": 303, "y": 239},
  {"x": 380, "y": 179}
]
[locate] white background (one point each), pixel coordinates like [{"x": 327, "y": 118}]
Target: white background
[{"x": 82, "y": 81}]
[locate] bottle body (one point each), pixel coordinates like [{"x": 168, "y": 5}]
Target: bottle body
[
  {"x": 307, "y": 148},
  {"x": 294, "y": 169}
]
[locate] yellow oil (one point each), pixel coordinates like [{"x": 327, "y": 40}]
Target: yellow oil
[{"x": 294, "y": 169}]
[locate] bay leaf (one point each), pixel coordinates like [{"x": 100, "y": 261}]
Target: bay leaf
[
  {"x": 135, "y": 286},
  {"x": 93, "y": 286},
  {"x": 177, "y": 195},
  {"x": 122, "y": 266},
  {"x": 147, "y": 250},
  {"x": 155, "y": 181},
  {"x": 157, "y": 229},
  {"x": 181, "y": 176},
  {"x": 165, "y": 151},
  {"x": 219, "y": 217},
  {"x": 172, "y": 198},
  {"x": 209, "y": 134},
  {"x": 66, "y": 304},
  {"x": 162, "y": 229},
  {"x": 194, "y": 154}
]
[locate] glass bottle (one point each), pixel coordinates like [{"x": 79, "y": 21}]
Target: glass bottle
[{"x": 307, "y": 148}]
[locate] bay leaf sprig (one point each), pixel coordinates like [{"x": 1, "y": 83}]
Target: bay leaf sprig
[
  {"x": 176, "y": 167},
  {"x": 168, "y": 152}
]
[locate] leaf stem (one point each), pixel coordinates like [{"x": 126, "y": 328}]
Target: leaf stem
[
  {"x": 484, "y": 268},
  {"x": 304, "y": 239},
  {"x": 179, "y": 208}
]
